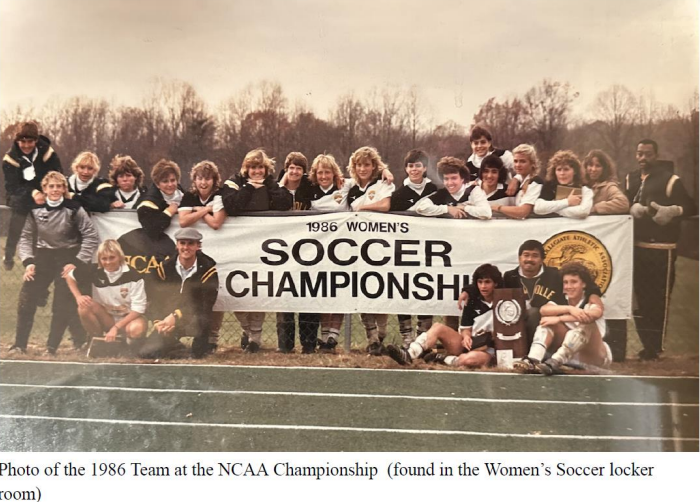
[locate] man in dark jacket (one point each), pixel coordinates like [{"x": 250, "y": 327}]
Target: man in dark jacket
[
  {"x": 189, "y": 285},
  {"x": 24, "y": 166},
  {"x": 658, "y": 202}
]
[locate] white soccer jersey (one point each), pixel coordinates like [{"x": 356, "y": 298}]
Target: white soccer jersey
[
  {"x": 530, "y": 194},
  {"x": 118, "y": 292},
  {"x": 333, "y": 199},
  {"x": 372, "y": 193}
]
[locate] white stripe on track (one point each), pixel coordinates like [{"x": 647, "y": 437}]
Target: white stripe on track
[
  {"x": 344, "y": 395},
  {"x": 329, "y": 368},
  {"x": 346, "y": 429}
]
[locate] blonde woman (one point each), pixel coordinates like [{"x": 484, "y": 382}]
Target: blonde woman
[
  {"x": 87, "y": 188},
  {"x": 116, "y": 303}
]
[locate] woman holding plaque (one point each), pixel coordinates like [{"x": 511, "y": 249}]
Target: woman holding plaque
[{"x": 563, "y": 192}]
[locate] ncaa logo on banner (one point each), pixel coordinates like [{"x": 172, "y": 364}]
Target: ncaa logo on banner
[{"x": 584, "y": 248}]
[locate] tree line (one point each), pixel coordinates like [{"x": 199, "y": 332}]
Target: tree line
[{"x": 174, "y": 122}]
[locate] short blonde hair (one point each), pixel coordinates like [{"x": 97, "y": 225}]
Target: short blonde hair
[
  {"x": 86, "y": 158},
  {"x": 530, "y": 152},
  {"x": 362, "y": 154},
  {"x": 326, "y": 161},
  {"x": 54, "y": 176},
  {"x": 110, "y": 246},
  {"x": 206, "y": 169},
  {"x": 256, "y": 158}
]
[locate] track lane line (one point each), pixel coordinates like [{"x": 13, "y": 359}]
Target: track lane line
[
  {"x": 345, "y": 429},
  {"x": 345, "y": 395}
]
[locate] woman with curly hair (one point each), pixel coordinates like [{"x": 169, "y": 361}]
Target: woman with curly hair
[
  {"x": 127, "y": 179},
  {"x": 203, "y": 201},
  {"x": 366, "y": 168},
  {"x": 601, "y": 177},
  {"x": 563, "y": 192}
]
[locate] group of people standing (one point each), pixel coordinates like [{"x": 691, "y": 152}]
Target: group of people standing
[{"x": 57, "y": 242}]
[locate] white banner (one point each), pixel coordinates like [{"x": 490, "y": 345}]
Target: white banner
[{"x": 387, "y": 263}]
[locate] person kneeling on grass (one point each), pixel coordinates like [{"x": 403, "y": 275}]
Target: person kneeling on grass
[
  {"x": 117, "y": 300},
  {"x": 185, "y": 297},
  {"x": 576, "y": 329},
  {"x": 472, "y": 346}
]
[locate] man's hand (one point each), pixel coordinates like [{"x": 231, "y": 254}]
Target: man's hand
[
  {"x": 165, "y": 326},
  {"x": 665, "y": 214},
  {"x": 638, "y": 211},
  {"x": 456, "y": 212},
  {"x": 29, "y": 273},
  {"x": 462, "y": 300}
]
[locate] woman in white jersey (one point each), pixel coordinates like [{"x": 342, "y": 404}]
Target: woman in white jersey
[{"x": 530, "y": 184}]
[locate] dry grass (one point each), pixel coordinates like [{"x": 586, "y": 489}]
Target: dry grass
[{"x": 666, "y": 366}]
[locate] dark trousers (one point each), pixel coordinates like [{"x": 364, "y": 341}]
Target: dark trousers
[
  {"x": 14, "y": 230},
  {"x": 49, "y": 266},
  {"x": 654, "y": 275},
  {"x": 308, "y": 330},
  {"x": 158, "y": 345}
]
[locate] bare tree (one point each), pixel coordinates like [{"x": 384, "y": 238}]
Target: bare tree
[
  {"x": 615, "y": 111},
  {"x": 547, "y": 107}
]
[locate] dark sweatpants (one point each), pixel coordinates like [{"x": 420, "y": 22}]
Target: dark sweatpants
[
  {"x": 308, "y": 330},
  {"x": 49, "y": 267}
]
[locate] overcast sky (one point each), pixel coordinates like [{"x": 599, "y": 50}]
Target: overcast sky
[{"x": 459, "y": 52}]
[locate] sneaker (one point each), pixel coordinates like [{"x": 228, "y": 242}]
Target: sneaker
[
  {"x": 9, "y": 263},
  {"x": 375, "y": 349},
  {"x": 435, "y": 357},
  {"x": 15, "y": 349},
  {"x": 525, "y": 365},
  {"x": 244, "y": 341},
  {"x": 328, "y": 347},
  {"x": 311, "y": 349},
  {"x": 399, "y": 354},
  {"x": 252, "y": 347},
  {"x": 549, "y": 367}
]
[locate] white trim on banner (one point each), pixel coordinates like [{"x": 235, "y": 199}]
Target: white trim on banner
[{"x": 389, "y": 263}]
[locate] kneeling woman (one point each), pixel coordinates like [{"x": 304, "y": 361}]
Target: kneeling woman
[
  {"x": 117, "y": 301},
  {"x": 472, "y": 346},
  {"x": 575, "y": 329}
]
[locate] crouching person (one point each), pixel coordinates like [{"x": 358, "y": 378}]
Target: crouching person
[
  {"x": 116, "y": 304},
  {"x": 189, "y": 285},
  {"x": 472, "y": 346},
  {"x": 575, "y": 329}
]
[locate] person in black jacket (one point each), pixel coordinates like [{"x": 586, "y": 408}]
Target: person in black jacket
[
  {"x": 25, "y": 164},
  {"x": 294, "y": 178},
  {"x": 127, "y": 182},
  {"x": 162, "y": 199},
  {"x": 254, "y": 189},
  {"x": 189, "y": 285},
  {"x": 87, "y": 188},
  {"x": 659, "y": 202}
]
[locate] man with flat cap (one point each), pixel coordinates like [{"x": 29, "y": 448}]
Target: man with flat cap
[{"x": 189, "y": 284}]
